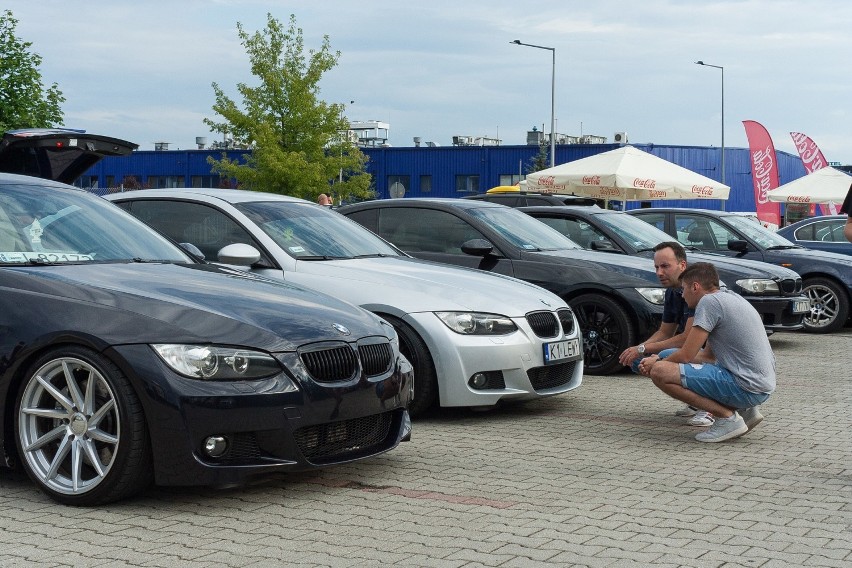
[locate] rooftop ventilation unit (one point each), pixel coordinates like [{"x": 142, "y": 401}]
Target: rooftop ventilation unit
[{"x": 620, "y": 138}]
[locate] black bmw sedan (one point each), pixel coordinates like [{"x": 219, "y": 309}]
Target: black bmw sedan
[
  {"x": 125, "y": 361},
  {"x": 617, "y": 300}
]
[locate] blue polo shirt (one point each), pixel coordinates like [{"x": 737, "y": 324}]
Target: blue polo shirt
[{"x": 675, "y": 309}]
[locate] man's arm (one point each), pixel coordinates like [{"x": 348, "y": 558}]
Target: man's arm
[
  {"x": 665, "y": 332},
  {"x": 696, "y": 338}
]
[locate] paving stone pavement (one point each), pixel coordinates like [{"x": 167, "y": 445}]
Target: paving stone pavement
[{"x": 603, "y": 476}]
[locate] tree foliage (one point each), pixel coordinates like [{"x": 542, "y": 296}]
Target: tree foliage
[
  {"x": 24, "y": 102},
  {"x": 299, "y": 142}
]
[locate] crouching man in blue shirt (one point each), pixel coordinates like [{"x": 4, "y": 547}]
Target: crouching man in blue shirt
[{"x": 733, "y": 374}]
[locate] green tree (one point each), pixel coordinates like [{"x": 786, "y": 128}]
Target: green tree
[
  {"x": 24, "y": 102},
  {"x": 299, "y": 143},
  {"x": 540, "y": 160}
]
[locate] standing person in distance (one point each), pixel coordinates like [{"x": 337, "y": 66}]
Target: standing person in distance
[{"x": 847, "y": 208}]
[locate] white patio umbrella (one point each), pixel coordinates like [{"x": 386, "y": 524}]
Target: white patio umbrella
[
  {"x": 825, "y": 185},
  {"x": 626, "y": 173}
]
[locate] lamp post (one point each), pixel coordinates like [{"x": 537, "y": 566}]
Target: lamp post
[
  {"x": 722, "y": 69},
  {"x": 552, "y": 99}
]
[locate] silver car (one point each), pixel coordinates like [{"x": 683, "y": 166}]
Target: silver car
[{"x": 473, "y": 338}]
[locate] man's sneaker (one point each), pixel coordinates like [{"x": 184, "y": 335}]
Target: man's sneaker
[
  {"x": 724, "y": 429},
  {"x": 686, "y": 411},
  {"x": 701, "y": 418},
  {"x": 751, "y": 416}
]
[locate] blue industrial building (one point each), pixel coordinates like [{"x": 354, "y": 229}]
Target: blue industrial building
[{"x": 452, "y": 171}]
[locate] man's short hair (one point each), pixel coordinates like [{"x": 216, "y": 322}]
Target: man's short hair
[
  {"x": 702, "y": 272},
  {"x": 677, "y": 249}
]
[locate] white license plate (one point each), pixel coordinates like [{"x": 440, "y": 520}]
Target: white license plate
[
  {"x": 801, "y": 306},
  {"x": 560, "y": 350}
]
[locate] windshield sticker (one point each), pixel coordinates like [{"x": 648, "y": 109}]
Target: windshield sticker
[
  {"x": 35, "y": 232},
  {"x": 529, "y": 247},
  {"x": 296, "y": 250},
  {"x": 47, "y": 257}
]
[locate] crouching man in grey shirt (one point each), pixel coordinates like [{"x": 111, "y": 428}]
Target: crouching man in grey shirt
[{"x": 733, "y": 374}]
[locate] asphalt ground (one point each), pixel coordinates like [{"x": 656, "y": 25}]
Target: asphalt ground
[{"x": 603, "y": 476}]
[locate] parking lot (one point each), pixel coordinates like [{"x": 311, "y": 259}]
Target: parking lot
[{"x": 603, "y": 476}]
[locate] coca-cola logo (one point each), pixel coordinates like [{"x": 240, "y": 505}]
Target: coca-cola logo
[
  {"x": 546, "y": 180},
  {"x": 591, "y": 180},
  {"x": 799, "y": 199},
  {"x": 811, "y": 156},
  {"x": 702, "y": 190},
  {"x": 644, "y": 183},
  {"x": 657, "y": 193},
  {"x": 762, "y": 166},
  {"x": 607, "y": 191}
]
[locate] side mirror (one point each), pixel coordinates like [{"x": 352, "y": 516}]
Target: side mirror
[
  {"x": 192, "y": 249},
  {"x": 605, "y": 245},
  {"x": 239, "y": 254},
  {"x": 738, "y": 245},
  {"x": 477, "y": 247}
]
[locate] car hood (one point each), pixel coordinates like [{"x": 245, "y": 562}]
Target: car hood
[
  {"x": 180, "y": 303},
  {"x": 413, "y": 285},
  {"x": 741, "y": 267},
  {"x": 623, "y": 272},
  {"x": 805, "y": 254}
]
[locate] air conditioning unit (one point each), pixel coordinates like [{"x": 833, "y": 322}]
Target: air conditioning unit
[{"x": 620, "y": 138}]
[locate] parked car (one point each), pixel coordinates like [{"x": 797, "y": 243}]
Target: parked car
[
  {"x": 60, "y": 154},
  {"x": 819, "y": 233},
  {"x": 124, "y": 360},
  {"x": 616, "y": 300},
  {"x": 530, "y": 199},
  {"x": 774, "y": 291},
  {"x": 827, "y": 277},
  {"x": 474, "y": 339}
]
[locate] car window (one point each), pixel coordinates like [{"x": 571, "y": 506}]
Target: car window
[
  {"x": 306, "y": 231},
  {"x": 507, "y": 200},
  {"x": 39, "y": 227},
  {"x": 805, "y": 233},
  {"x": 202, "y": 225},
  {"x": 704, "y": 233},
  {"x": 633, "y": 230},
  {"x": 537, "y": 200},
  {"x": 828, "y": 231},
  {"x": 764, "y": 237},
  {"x": 522, "y": 230},
  {"x": 425, "y": 230},
  {"x": 577, "y": 230},
  {"x": 656, "y": 219}
]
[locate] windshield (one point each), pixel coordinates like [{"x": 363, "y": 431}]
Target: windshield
[
  {"x": 308, "y": 232},
  {"x": 41, "y": 225},
  {"x": 522, "y": 230},
  {"x": 638, "y": 233},
  {"x": 758, "y": 233}
]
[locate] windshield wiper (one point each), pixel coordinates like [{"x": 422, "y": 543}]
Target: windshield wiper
[
  {"x": 784, "y": 247},
  {"x": 40, "y": 262},
  {"x": 651, "y": 249},
  {"x": 320, "y": 257},
  {"x": 374, "y": 255}
]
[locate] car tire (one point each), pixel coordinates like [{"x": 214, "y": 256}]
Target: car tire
[
  {"x": 425, "y": 378},
  {"x": 80, "y": 429},
  {"x": 829, "y": 305},
  {"x": 606, "y": 329}
]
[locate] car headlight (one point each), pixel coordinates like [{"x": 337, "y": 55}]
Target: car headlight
[
  {"x": 758, "y": 285},
  {"x": 217, "y": 363},
  {"x": 653, "y": 295},
  {"x": 474, "y": 323}
]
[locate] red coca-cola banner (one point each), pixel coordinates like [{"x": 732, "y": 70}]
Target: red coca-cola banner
[
  {"x": 764, "y": 172},
  {"x": 813, "y": 160}
]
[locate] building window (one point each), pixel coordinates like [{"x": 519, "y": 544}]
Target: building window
[
  {"x": 467, "y": 184},
  {"x": 510, "y": 179},
  {"x": 204, "y": 181},
  {"x": 425, "y": 184},
  {"x": 110, "y": 181},
  {"x": 398, "y": 185}
]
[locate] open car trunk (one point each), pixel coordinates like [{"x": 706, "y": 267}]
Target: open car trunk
[{"x": 56, "y": 153}]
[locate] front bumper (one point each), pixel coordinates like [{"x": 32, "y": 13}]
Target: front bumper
[
  {"x": 513, "y": 364},
  {"x": 778, "y": 312},
  {"x": 269, "y": 426}
]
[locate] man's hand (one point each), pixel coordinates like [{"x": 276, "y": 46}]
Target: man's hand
[
  {"x": 628, "y": 356},
  {"x": 647, "y": 363}
]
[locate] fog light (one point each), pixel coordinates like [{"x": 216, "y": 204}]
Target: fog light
[
  {"x": 478, "y": 380},
  {"x": 215, "y": 446}
]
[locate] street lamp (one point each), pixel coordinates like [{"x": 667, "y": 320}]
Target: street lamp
[
  {"x": 722, "y": 69},
  {"x": 552, "y": 99}
]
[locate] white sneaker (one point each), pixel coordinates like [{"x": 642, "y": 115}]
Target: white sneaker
[
  {"x": 687, "y": 411},
  {"x": 724, "y": 429},
  {"x": 701, "y": 418}
]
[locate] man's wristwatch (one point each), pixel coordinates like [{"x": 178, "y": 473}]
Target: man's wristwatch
[{"x": 641, "y": 349}]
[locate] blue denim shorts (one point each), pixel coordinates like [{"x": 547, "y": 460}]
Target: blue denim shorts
[{"x": 717, "y": 383}]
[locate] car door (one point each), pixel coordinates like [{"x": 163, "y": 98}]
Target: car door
[
  {"x": 433, "y": 234},
  {"x": 200, "y": 224},
  {"x": 709, "y": 234}
]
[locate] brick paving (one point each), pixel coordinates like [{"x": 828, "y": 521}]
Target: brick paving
[{"x": 603, "y": 476}]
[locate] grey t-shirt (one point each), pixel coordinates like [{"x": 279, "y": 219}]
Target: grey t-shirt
[{"x": 738, "y": 339}]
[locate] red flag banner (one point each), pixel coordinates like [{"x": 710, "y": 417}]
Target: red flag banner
[
  {"x": 764, "y": 172},
  {"x": 813, "y": 160}
]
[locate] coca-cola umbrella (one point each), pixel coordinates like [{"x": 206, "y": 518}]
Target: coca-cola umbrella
[
  {"x": 825, "y": 185},
  {"x": 626, "y": 173}
]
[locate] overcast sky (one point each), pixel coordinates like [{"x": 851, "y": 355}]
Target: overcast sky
[{"x": 143, "y": 70}]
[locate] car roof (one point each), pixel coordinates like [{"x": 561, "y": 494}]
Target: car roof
[
  {"x": 60, "y": 154},
  {"x": 441, "y": 202},
  {"x": 714, "y": 212},
  {"x": 814, "y": 220},
  {"x": 227, "y": 195}
]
